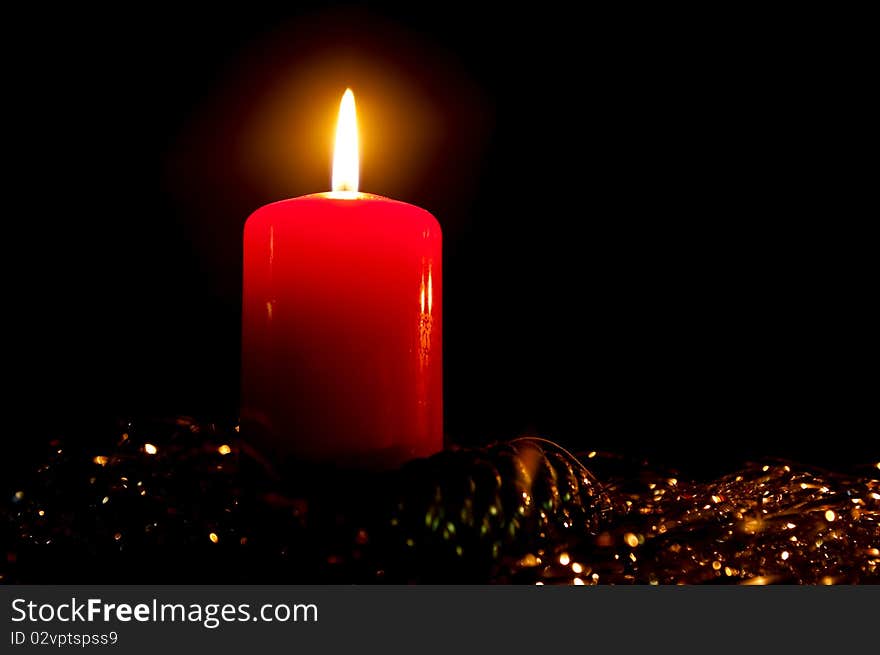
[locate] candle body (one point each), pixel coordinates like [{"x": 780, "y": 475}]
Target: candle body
[{"x": 341, "y": 330}]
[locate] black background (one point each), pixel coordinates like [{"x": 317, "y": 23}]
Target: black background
[{"x": 654, "y": 242}]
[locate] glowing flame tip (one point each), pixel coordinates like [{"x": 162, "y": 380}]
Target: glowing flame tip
[{"x": 345, "y": 154}]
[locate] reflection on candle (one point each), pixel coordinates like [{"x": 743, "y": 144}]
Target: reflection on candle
[{"x": 426, "y": 318}]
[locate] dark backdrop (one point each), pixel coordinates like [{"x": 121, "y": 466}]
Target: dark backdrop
[{"x": 653, "y": 242}]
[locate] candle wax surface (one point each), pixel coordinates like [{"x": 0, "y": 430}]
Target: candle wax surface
[{"x": 341, "y": 329}]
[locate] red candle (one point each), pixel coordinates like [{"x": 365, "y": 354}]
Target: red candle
[{"x": 341, "y": 323}]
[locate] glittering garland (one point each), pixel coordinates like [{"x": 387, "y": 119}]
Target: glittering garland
[{"x": 182, "y": 501}]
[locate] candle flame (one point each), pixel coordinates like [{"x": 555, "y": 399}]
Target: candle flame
[{"x": 345, "y": 155}]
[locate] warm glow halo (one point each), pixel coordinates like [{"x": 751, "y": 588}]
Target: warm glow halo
[{"x": 345, "y": 154}]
